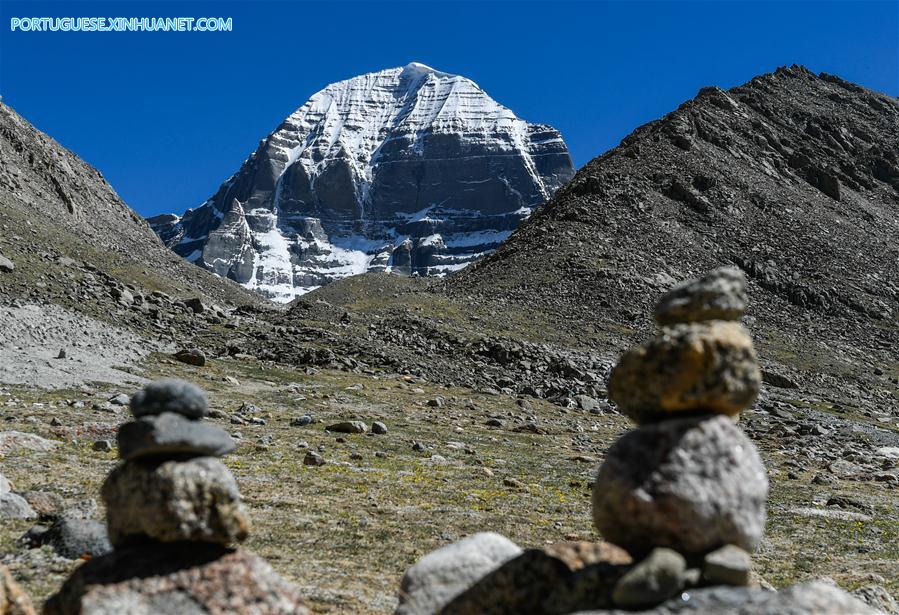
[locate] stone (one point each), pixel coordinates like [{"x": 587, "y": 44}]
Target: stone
[
  {"x": 196, "y": 305},
  {"x": 301, "y": 421},
  {"x": 170, "y": 395},
  {"x": 13, "y": 599},
  {"x": 877, "y": 598},
  {"x": 579, "y": 554},
  {"x": 191, "y": 356},
  {"x": 44, "y": 503},
  {"x": 348, "y": 427},
  {"x": 176, "y": 579},
  {"x": 74, "y": 538},
  {"x": 778, "y": 380},
  {"x": 692, "y": 484},
  {"x": 6, "y": 265},
  {"x": 14, "y": 506},
  {"x": 103, "y": 446},
  {"x": 538, "y": 583},
  {"x": 729, "y": 565},
  {"x": 313, "y": 459},
  {"x": 585, "y": 402},
  {"x": 441, "y": 575},
  {"x": 17, "y": 440},
  {"x": 5, "y": 486},
  {"x": 718, "y": 295},
  {"x": 119, "y": 400},
  {"x": 169, "y": 434},
  {"x": 194, "y": 500},
  {"x": 653, "y": 580},
  {"x": 378, "y": 428},
  {"x": 689, "y": 368},
  {"x": 62, "y": 354}
]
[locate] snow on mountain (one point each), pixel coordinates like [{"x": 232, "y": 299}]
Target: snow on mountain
[{"x": 409, "y": 169}]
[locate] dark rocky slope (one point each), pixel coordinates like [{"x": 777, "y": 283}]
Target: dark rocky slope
[{"x": 792, "y": 177}]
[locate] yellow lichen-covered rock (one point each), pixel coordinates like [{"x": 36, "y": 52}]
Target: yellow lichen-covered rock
[
  {"x": 689, "y": 368},
  {"x": 13, "y": 599}
]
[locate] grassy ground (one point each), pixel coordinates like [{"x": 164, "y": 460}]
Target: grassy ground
[{"x": 346, "y": 531}]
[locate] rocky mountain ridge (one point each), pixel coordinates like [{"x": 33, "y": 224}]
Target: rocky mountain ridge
[
  {"x": 791, "y": 177},
  {"x": 410, "y": 170}
]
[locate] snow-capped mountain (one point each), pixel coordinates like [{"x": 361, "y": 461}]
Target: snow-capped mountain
[{"x": 409, "y": 169}]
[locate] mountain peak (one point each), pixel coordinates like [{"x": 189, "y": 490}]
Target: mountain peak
[
  {"x": 417, "y": 69},
  {"x": 387, "y": 171}
]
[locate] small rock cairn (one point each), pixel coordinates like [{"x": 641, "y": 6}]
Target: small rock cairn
[
  {"x": 172, "y": 510},
  {"x": 687, "y": 480},
  {"x": 687, "y": 486}
]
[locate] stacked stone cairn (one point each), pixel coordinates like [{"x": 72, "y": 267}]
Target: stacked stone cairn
[
  {"x": 680, "y": 500},
  {"x": 687, "y": 487},
  {"x": 173, "y": 511}
]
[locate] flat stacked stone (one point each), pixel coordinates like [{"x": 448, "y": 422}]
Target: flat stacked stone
[
  {"x": 687, "y": 479},
  {"x": 173, "y": 511},
  {"x": 703, "y": 360}
]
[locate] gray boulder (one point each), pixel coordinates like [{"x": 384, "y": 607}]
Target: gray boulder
[
  {"x": 691, "y": 484},
  {"x": 195, "y": 500},
  {"x": 73, "y": 537},
  {"x": 169, "y": 434},
  {"x": 441, "y": 575},
  {"x": 6, "y": 265},
  {"x": 170, "y": 395},
  {"x": 14, "y": 506}
]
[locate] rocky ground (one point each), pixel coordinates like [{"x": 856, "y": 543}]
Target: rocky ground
[{"x": 454, "y": 461}]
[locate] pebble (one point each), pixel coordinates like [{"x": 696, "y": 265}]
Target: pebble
[
  {"x": 313, "y": 459},
  {"x": 348, "y": 427},
  {"x": 653, "y": 580},
  {"x": 103, "y": 446},
  {"x": 728, "y": 565}
]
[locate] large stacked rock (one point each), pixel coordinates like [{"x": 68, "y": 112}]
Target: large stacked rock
[
  {"x": 173, "y": 512},
  {"x": 688, "y": 478}
]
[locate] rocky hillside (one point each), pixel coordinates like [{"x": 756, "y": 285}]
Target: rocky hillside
[
  {"x": 85, "y": 286},
  {"x": 409, "y": 169},
  {"x": 56, "y": 208},
  {"x": 792, "y": 177}
]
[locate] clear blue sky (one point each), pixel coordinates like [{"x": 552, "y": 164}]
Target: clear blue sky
[{"x": 168, "y": 116}]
